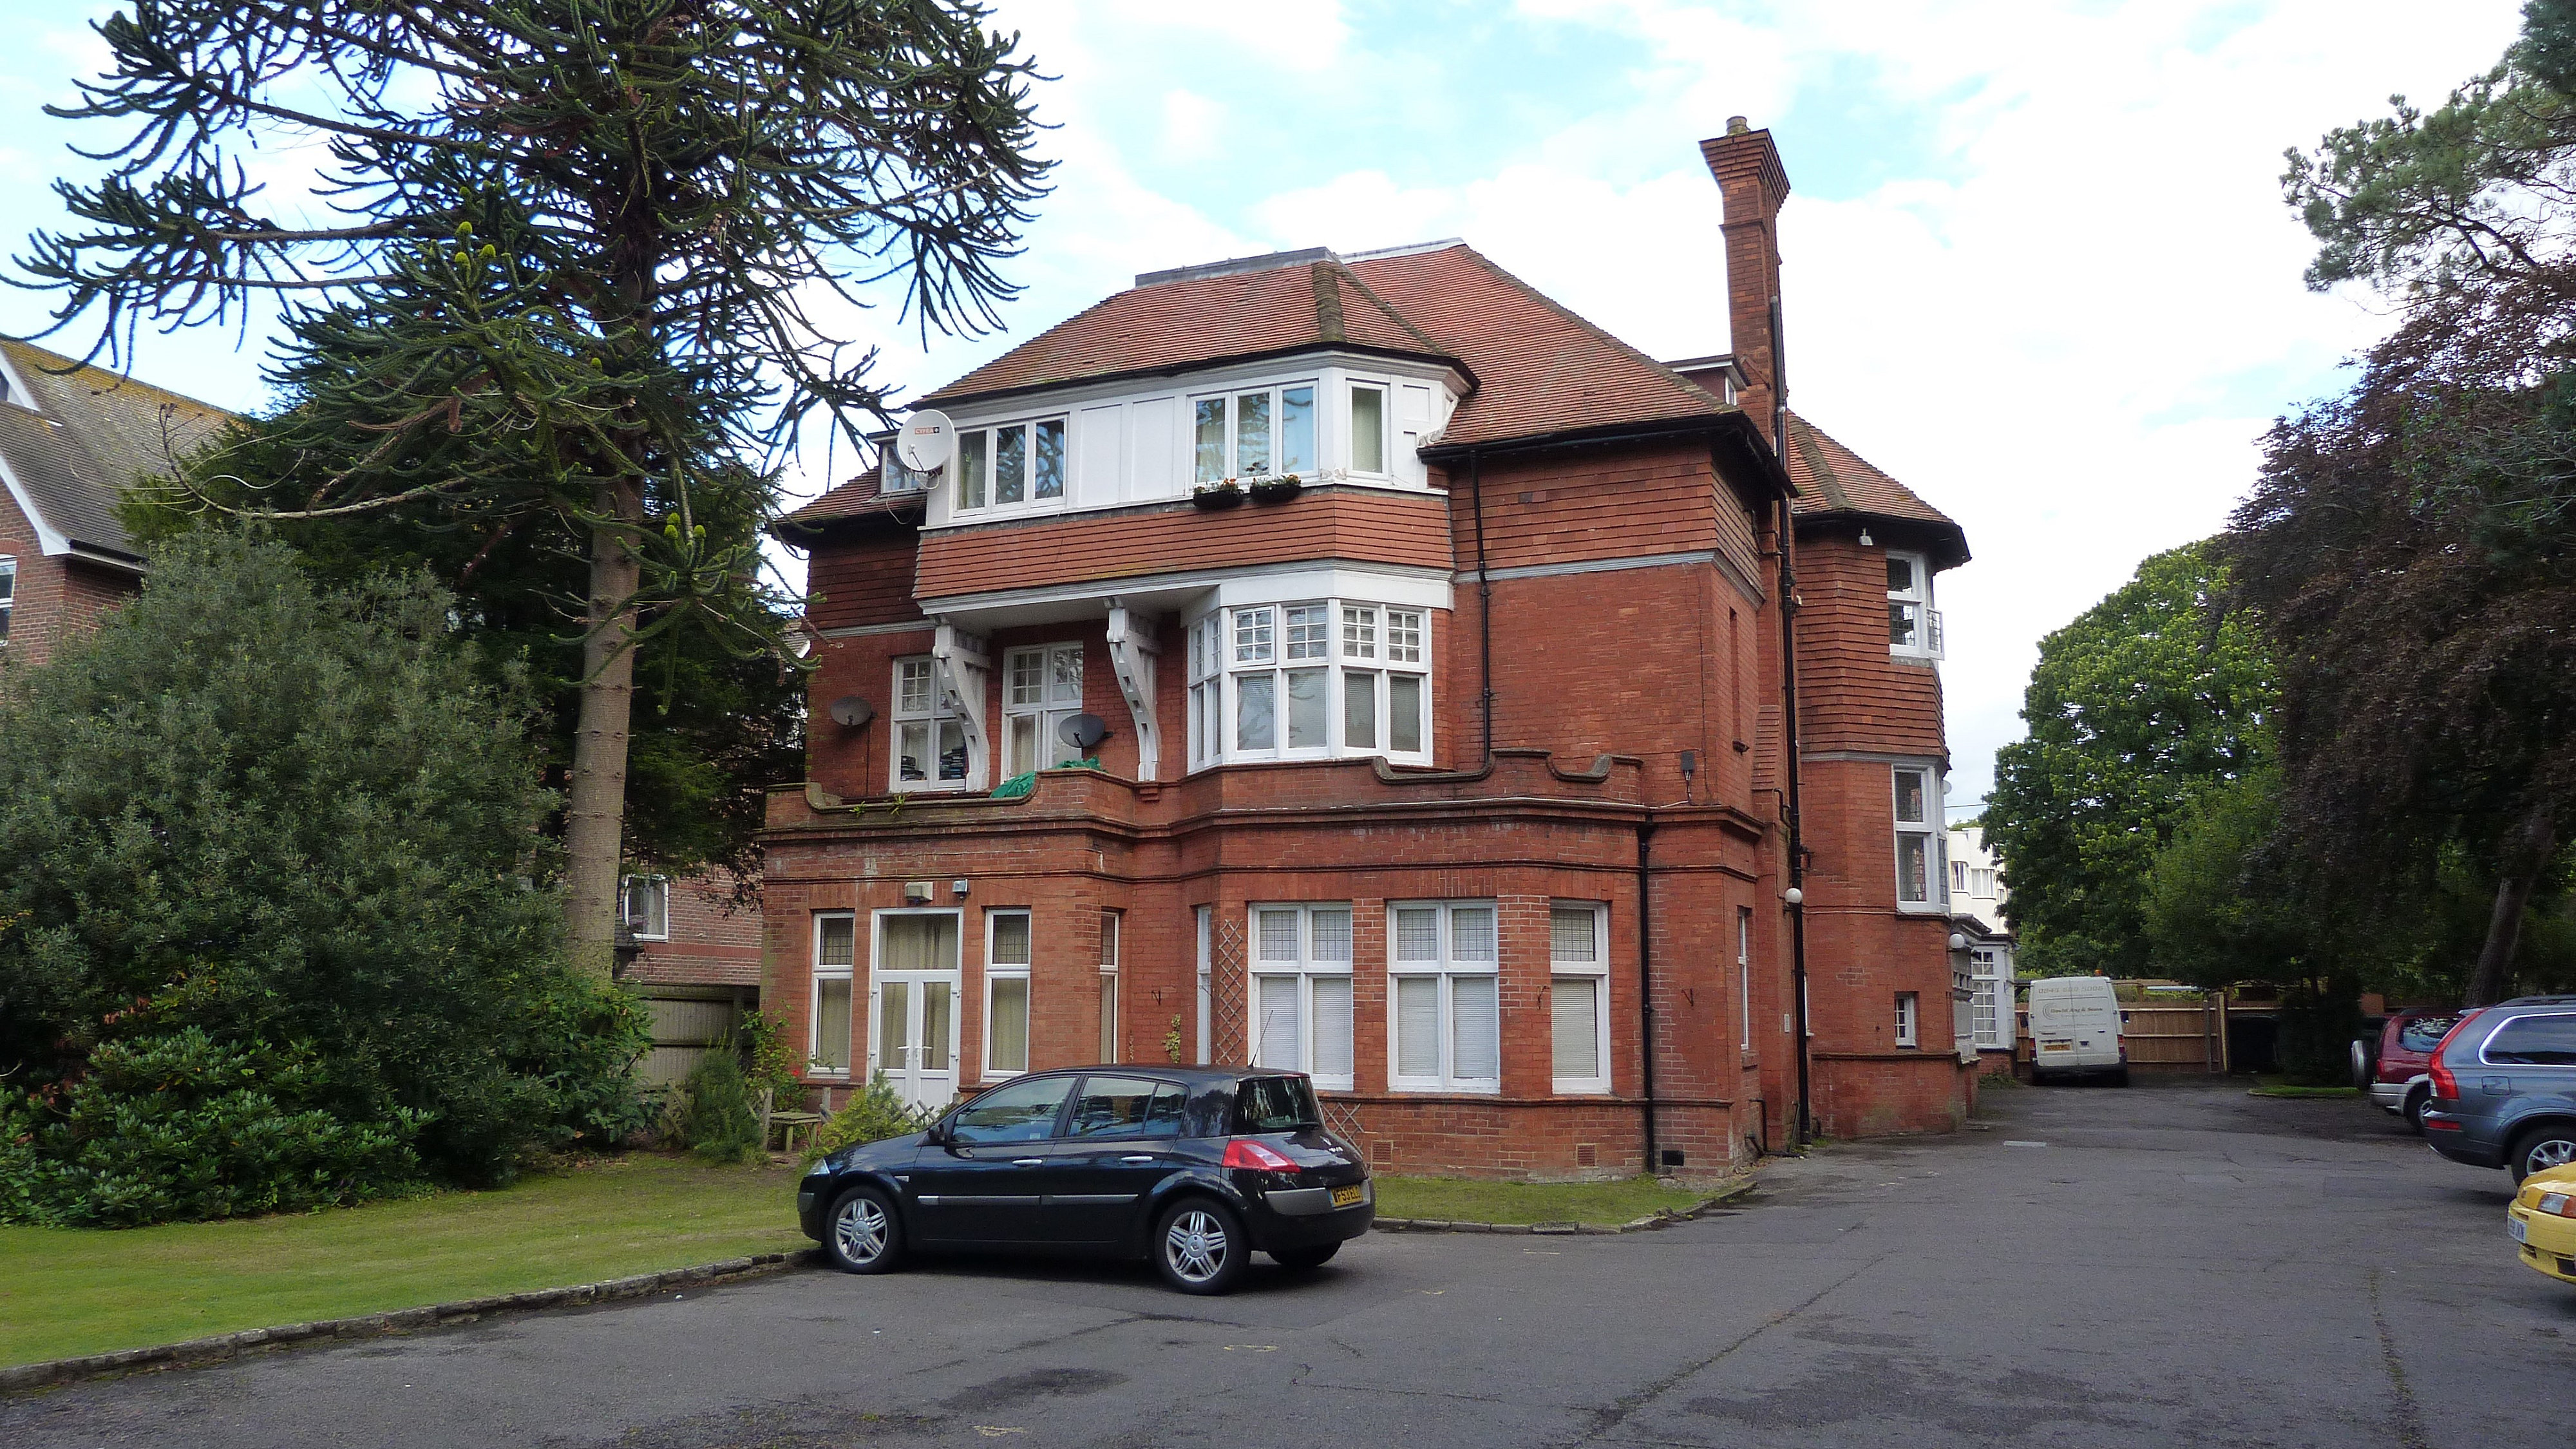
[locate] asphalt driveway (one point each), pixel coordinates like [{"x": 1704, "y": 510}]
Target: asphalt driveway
[{"x": 2175, "y": 1264}]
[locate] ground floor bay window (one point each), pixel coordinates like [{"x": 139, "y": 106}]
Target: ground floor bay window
[
  {"x": 1301, "y": 991},
  {"x": 1579, "y": 996},
  {"x": 1447, "y": 1032},
  {"x": 1919, "y": 838},
  {"x": 835, "y": 958},
  {"x": 1006, "y": 994}
]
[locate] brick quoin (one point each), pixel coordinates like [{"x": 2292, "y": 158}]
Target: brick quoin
[{"x": 1625, "y": 588}]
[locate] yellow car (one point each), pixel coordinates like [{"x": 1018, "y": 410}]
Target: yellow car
[{"x": 2542, "y": 1221}]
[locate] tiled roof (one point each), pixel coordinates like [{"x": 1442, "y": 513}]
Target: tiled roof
[
  {"x": 1833, "y": 479},
  {"x": 1538, "y": 368},
  {"x": 862, "y": 496},
  {"x": 84, "y": 435}
]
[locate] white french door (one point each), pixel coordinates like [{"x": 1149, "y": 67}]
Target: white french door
[{"x": 912, "y": 1005}]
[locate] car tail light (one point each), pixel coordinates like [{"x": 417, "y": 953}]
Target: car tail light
[
  {"x": 1257, "y": 1156},
  {"x": 2445, "y": 1085}
]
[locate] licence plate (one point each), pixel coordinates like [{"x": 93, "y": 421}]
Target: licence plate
[
  {"x": 2515, "y": 1229},
  {"x": 1350, "y": 1196},
  {"x": 2057, "y": 1046}
]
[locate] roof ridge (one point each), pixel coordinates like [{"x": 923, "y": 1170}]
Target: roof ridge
[
  {"x": 1811, "y": 447},
  {"x": 1437, "y": 348}
]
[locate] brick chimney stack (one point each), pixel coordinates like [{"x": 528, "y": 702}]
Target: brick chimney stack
[{"x": 1753, "y": 185}]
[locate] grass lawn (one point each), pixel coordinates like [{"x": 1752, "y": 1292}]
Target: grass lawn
[
  {"x": 1469, "y": 1200},
  {"x": 66, "y": 1291},
  {"x": 2277, "y": 1086}
]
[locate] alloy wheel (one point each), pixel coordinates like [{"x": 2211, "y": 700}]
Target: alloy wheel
[
  {"x": 860, "y": 1230},
  {"x": 2549, "y": 1152},
  {"x": 1196, "y": 1246}
]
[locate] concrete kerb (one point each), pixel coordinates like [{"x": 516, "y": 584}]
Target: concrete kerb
[
  {"x": 1659, "y": 1219},
  {"x": 402, "y": 1320}
]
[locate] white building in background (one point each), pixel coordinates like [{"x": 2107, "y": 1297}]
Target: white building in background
[{"x": 1977, "y": 896}]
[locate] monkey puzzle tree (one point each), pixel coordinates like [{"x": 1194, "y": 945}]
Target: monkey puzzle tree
[{"x": 566, "y": 261}]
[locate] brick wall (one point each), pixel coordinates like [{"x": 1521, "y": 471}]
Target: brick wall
[{"x": 56, "y": 597}]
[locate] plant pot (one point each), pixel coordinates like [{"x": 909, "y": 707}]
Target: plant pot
[
  {"x": 1215, "y": 498},
  {"x": 1279, "y": 492}
]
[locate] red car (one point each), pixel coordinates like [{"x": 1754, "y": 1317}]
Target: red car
[{"x": 2400, "y": 1078}]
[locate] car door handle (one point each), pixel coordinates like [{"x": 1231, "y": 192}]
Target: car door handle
[
  {"x": 1028, "y": 1162},
  {"x": 1140, "y": 1157}
]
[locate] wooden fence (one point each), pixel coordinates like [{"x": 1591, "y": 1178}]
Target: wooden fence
[{"x": 2182, "y": 1036}]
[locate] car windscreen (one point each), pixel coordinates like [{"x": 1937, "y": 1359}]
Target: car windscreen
[
  {"x": 2534, "y": 1041},
  {"x": 2423, "y": 1033},
  {"x": 1276, "y": 1104}
]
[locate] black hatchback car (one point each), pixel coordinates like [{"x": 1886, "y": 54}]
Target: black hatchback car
[{"x": 1193, "y": 1167}]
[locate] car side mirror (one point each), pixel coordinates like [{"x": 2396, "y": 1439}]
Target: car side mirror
[{"x": 936, "y": 1134}]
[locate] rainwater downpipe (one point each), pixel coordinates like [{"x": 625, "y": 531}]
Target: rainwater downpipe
[
  {"x": 1805, "y": 1128},
  {"x": 1484, "y": 598},
  {"x": 1646, "y": 983}
]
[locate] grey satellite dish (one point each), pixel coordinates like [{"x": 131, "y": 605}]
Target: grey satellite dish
[
  {"x": 925, "y": 440},
  {"x": 851, "y": 711},
  {"x": 1083, "y": 731}
]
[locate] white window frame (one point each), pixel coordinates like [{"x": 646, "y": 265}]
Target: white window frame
[
  {"x": 1229, "y": 463},
  {"x": 846, "y": 972},
  {"x": 1744, "y": 975},
  {"x": 1354, "y": 643},
  {"x": 8, "y": 595},
  {"x": 1448, "y": 970},
  {"x": 1597, "y": 970},
  {"x": 892, "y": 475},
  {"x": 1050, "y": 707},
  {"x": 1009, "y": 971},
  {"x": 1927, "y": 829},
  {"x": 658, "y": 890},
  {"x": 922, "y": 709},
  {"x": 1207, "y": 983},
  {"x": 981, "y": 447},
  {"x": 1385, "y": 391},
  {"x": 1909, "y": 1018},
  {"x": 1993, "y": 994},
  {"x": 1112, "y": 934},
  {"x": 1306, "y": 969},
  {"x": 1911, "y": 609}
]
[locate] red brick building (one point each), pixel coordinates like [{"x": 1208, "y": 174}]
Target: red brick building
[
  {"x": 71, "y": 440},
  {"x": 1476, "y": 773}
]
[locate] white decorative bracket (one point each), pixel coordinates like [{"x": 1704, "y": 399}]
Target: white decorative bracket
[
  {"x": 962, "y": 666},
  {"x": 1131, "y": 655}
]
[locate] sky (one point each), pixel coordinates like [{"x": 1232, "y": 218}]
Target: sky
[{"x": 2036, "y": 263}]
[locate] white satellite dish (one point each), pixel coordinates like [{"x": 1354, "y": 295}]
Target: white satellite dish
[{"x": 925, "y": 440}]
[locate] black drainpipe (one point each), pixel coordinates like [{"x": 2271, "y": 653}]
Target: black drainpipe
[
  {"x": 1484, "y": 597},
  {"x": 1805, "y": 1130},
  {"x": 1646, "y": 981}
]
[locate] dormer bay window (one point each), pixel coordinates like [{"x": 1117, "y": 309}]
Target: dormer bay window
[
  {"x": 1323, "y": 679},
  {"x": 929, "y": 740},
  {"x": 1262, "y": 433},
  {"x": 1011, "y": 467}
]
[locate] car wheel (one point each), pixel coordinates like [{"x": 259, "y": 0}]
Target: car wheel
[
  {"x": 2539, "y": 1150},
  {"x": 863, "y": 1233},
  {"x": 1302, "y": 1259},
  {"x": 1199, "y": 1246},
  {"x": 2414, "y": 1113}
]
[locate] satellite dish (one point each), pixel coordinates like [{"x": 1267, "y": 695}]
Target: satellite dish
[
  {"x": 851, "y": 711},
  {"x": 1083, "y": 731},
  {"x": 925, "y": 440}
]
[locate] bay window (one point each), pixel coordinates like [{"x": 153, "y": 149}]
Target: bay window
[
  {"x": 1918, "y": 838},
  {"x": 1368, "y": 428},
  {"x": 929, "y": 740},
  {"x": 1017, "y": 465},
  {"x": 1310, "y": 681},
  {"x": 836, "y": 937},
  {"x": 1579, "y": 996},
  {"x": 1301, "y": 991},
  {"x": 1041, "y": 689},
  {"x": 1006, "y": 993},
  {"x": 1445, "y": 967},
  {"x": 1109, "y": 1038},
  {"x": 1263, "y": 433},
  {"x": 1913, "y": 627}
]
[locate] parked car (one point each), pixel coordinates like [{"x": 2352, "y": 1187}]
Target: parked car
[
  {"x": 2504, "y": 1087},
  {"x": 2401, "y": 1080},
  {"x": 2075, "y": 1029},
  {"x": 2542, "y": 1222},
  {"x": 1195, "y": 1168}
]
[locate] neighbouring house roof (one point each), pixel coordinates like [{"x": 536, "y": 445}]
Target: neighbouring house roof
[
  {"x": 861, "y": 497},
  {"x": 1834, "y": 480},
  {"x": 1535, "y": 367},
  {"x": 72, "y": 440}
]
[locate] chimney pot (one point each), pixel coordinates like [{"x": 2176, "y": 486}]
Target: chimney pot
[{"x": 1735, "y": 126}]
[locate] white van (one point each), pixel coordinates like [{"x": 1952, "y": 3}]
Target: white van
[{"x": 2075, "y": 1029}]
